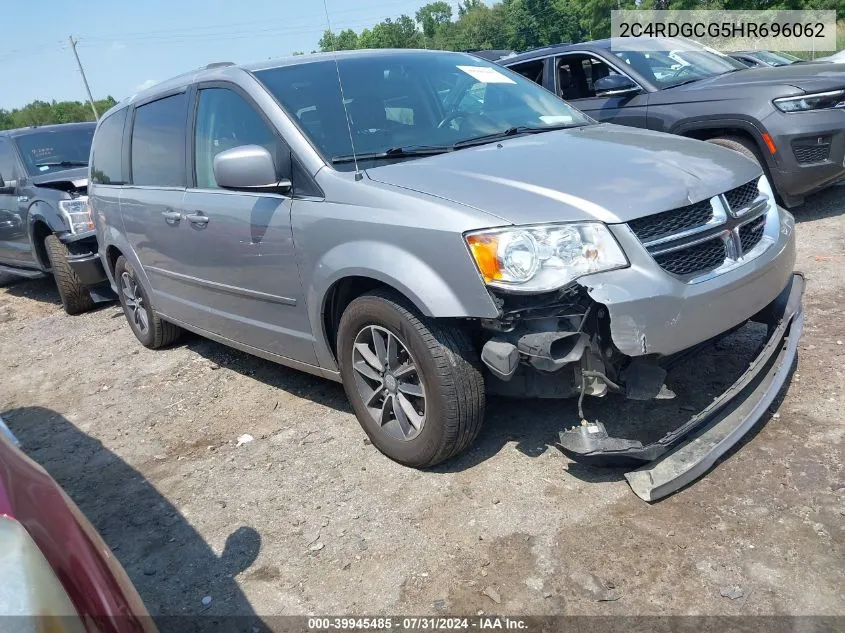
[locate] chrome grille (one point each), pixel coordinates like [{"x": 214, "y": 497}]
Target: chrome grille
[
  {"x": 707, "y": 238},
  {"x": 698, "y": 258},
  {"x": 743, "y": 195},
  {"x": 750, "y": 234},
  {"x": 654, "y": 227}
]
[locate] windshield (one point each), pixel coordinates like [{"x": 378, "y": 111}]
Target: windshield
[
  {"x": 55, "y": 149},
  {"x": 411, "y": 100},
  {"x": 775, "y": 59},
  {"x": 670, "y": 61}
]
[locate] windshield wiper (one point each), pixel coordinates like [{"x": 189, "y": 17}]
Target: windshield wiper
[
  {"x": 511, "y": 131},
  {"x": 684, "y": 82},
  {"x": 392, "y": 152},
  {"x": 694, "y": 79},
  {"x": 63, "y": 163},
  {"x": 430, "y": 150}
]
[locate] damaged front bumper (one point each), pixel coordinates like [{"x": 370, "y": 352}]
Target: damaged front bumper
[
  {"x": 686, "y": 453},
  {"x": 83, "y": 258}
]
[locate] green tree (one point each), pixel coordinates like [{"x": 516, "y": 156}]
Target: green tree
[
  {"x": 401, "y": 33},
  {"x": 44, "y": 113},
  {"x": 434, "y": 18},
  {"x": 343, "y": 41},
  {"x": 468, "y": 5},
  {"x": 521, "y": 28},
  {"x": 523, "y": 24},
  {"x": 479, "y": 26}
]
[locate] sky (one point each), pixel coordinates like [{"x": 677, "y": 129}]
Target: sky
[{"x": 127, "y": 45}]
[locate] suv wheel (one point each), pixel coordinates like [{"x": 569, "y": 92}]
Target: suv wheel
[
  {"x": 415, "y": 384},
  {"x": 740, "y": 145},
  {"x": 75, "y": 296},
  {"x": 153, "y": 331}
]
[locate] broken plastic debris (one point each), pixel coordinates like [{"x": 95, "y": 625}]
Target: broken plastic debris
[
  {"x": 246, "y": 438},
  {"x": 493, "y": 594}
]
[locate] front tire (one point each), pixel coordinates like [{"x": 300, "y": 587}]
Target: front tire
[
  {"x": 150, "y": 329},
  {"x": 75, "y": 296},
  {"x": 415, "y": 383},
  {"x": 740, "y": 145}
]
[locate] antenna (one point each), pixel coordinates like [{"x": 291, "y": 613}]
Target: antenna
[{"x": 358, "y": 175}]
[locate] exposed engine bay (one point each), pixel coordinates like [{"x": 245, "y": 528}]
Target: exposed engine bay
[{"x": 559, "y": 345}]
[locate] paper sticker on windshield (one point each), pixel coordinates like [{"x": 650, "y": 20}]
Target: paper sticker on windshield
[
  {"x": 556, "y": 119},
  {"x": 486, "y": 75}
]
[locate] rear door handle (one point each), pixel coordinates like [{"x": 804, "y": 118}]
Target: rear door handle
[
  {"x": 171, "y": 217},
  {"x": 198, "y": 218}
]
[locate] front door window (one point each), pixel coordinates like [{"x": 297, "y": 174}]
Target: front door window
[
  {"x": 225, "y": 120},
  {"x": 577, "y": 74}
]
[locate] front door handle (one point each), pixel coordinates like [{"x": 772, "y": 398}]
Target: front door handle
[
  {"x": 171, "y": 217},
  {"x": 198, "y": 219}
]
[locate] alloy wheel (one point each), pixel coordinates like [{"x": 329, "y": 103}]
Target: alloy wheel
[
  {"x": 134, "y": 302},
  {"x": 388, "y": 382}
]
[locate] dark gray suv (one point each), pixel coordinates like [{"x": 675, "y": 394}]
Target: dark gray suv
[
  {"x": 438, "y": 229},
  {"x": 789, "y": 119},
  {"x": 45, "y": 221}
]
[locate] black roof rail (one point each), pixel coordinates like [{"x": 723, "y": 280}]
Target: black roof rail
[
  {"x": 539, "y": 48},
  {"x": 219, "y": 65}
]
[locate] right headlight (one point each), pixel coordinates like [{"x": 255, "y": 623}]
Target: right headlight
[
  {"x": 815, "y": 101},
  {"x": 77, "y": 212},
  {"x": 543, "y": 257}
]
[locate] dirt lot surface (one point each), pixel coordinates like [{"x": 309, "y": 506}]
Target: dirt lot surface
[{"x": 310, "y": 518}]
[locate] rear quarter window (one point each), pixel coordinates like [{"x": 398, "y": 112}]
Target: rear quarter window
[
  {"x": 7, "y": 161},
  {"x": 532, "y": 70},
  {"x": 107, "y": 152},
  {"x": 158, "y": 142}
]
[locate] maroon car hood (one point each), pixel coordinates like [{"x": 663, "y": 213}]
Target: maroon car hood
[{"x": 97, "y": 585}]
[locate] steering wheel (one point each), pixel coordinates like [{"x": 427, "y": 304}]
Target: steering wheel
[
  {"x": 460, "y": 115},
  {"x": 682, "y": 70}
]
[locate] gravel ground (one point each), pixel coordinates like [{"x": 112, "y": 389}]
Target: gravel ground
[{"x": 310, "y": 518}]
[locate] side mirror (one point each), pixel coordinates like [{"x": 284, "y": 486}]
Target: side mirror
[
  {"x": 249, "y": 168},
  {"x": 615, "y": 85},
  {"x": 7, "y": 186}
]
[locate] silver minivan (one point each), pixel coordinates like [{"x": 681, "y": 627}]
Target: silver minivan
[{"x": 428, "y": 227}]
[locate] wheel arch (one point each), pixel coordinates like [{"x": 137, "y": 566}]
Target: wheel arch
[
  {"x": 338, "y": 297},
  {"x": 707, "y": 129},
  {"x": 42, "y": 221},
  {"x": 112, "y": 253},
  {"x": 38, "y": 232},
  {"x": 111, "y": 249},
  {"x": 335, "y": 284}
]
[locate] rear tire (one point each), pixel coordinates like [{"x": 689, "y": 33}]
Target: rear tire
[
  {"x": 443, "y": 393},
  {"x": 150, "y": 329},
  {"x": 75, "y": 296}
]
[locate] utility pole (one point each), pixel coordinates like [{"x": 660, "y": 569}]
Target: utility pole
[{"x": 84, "y": 80}]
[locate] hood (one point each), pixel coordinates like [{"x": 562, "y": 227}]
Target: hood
[
  {"x": 598, "y": 172},
  {"x": 75, "y": 179},
  {"x": 804, "y": 77}
]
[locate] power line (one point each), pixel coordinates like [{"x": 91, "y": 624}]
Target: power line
[
  {"x": 167, "y": 33},
  {"x": 223, "y": 37},
  {"x": 32, "y": 51}
]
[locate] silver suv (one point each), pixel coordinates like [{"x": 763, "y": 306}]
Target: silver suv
[{"x": 428, "y": 227}]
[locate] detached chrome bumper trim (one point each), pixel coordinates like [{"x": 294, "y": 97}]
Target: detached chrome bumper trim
[{"x": 709, "y": 434}]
